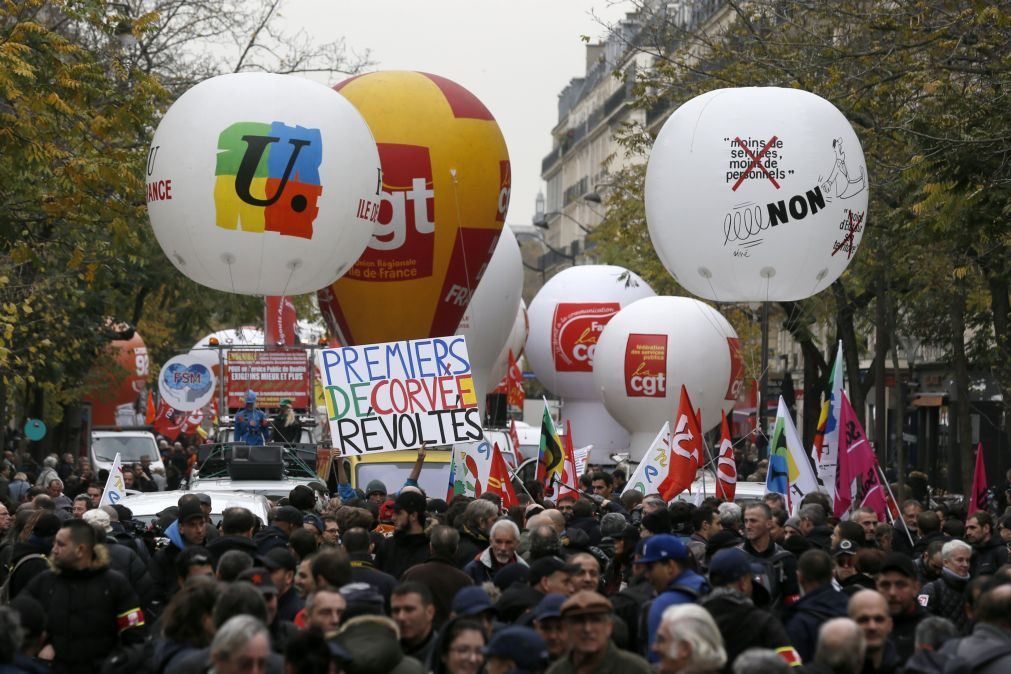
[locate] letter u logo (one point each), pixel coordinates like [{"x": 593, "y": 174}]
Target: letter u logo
[{"x": 255, "y": 147}]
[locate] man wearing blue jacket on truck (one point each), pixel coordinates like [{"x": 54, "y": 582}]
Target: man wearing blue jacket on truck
[{"x": 251, "y": 424}]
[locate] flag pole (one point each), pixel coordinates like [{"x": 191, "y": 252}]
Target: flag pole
[{"x": 884, "y": 480}]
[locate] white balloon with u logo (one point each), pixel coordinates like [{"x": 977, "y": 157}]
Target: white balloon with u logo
[
  {"x": 262, "y": 184},
  {"x": 756, "y": 194}
]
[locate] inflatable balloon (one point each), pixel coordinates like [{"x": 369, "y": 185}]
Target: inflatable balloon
[
  {"x": 118, "y": 383},
  {"x": 491, "y": 315},
  {"x": 262, "y": 184},
  {"x": 445, "y": 193},
  {"x": 516, "y": 342},
  {"x": 566, "y": 319},
  {"x": 653, "y": 346},
  {"x": 756, "y": 194}
]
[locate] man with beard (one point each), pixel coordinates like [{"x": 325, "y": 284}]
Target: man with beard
[
  {"x": 409, "y": 544},
  {"x": 505, "y": 538},
  {"x": 989, "y": 552},
  {"x": 897, "y": 583}
]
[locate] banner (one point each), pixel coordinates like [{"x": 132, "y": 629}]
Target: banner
[
  {"x": 168, "y": 421},
  {"x": 575, "y": 328},
  {"x": 653, "y": 467},
  {"x": 856, "y": 460},
  {"x": 272, "y": 375},
  {"x": 826, "y": 440},
  {"x": 977, "y": 496},
  {"x": 400, "y": 395},
  {"x": 550, "y": 456},
  {"x": 471, "y": 469},
  {"x": 788, "y": 462},
  {"x": 515, "y": 396},
  {"x": 726, "y": 466},
  {"x": 115, "y": 486},
  {"x": 646, "y": 366},
  {"x": 279, "y": 321}
]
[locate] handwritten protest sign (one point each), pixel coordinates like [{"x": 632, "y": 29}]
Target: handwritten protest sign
[{"x": 400, "y": 395}]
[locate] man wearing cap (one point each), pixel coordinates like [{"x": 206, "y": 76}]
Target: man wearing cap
[
  {"x": 251, "y": 425},
  {"x": 409, "y": 543},
  {"x": 547, "y": 575},
  {"x": 588, "y": 619},
  {"x": 440, "y": 573},
  {"x": 280, "y": 630},
  {"x": 820, "y": 601},
  {"x": 285, "y": 426},
  {"x": 666, "y": 560},
  {"x": 547, "y": 620},
  {"x": 281, "y": 564},
  {"x": 188, "y": 529},
  {"x": 473, "y": 602},
  {"x": 898, "y": 584},
  {"x": 286, "y": 519},
  {"x": 516, "y": 650},
  {"x": 742, "y": 624}
]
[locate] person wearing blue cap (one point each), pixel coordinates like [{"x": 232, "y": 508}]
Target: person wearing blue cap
[
  {"x": 666, "y": 559},
  {"x": 547, "y": 620},
  {"x": 516, "y": 650},
  {"x": 742, "y": 624},
  {"x": 251, "y": 424}
]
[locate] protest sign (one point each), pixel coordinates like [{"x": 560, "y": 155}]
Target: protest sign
[
  {"x": 400, "y": 395},
  {"x": 272, "y": 375}
]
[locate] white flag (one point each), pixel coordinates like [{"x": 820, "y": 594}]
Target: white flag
[
  {"x": 653, "y": 469},
  {"x": 115, "y": 486},
  {"x": 801, "y": 474}
]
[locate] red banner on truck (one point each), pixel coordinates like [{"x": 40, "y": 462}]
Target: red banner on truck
[{"x": 273, "y": 375}]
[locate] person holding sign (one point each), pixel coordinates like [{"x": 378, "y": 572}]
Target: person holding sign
[{"x": 251, "y": 424}]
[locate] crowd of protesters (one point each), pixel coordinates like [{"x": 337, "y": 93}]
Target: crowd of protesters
[{"x": 398, "y": 582}]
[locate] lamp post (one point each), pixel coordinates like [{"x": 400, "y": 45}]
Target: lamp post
[{"x": 540, "y": 218}]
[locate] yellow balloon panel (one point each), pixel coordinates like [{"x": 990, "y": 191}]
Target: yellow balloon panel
[{"x": 445, "y": 193}]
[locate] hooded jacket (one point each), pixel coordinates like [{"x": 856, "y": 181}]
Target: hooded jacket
[
  {"x": 88, "y": 613},
  {"x": 945, "y": 597},
  {"x": 401, "y": 551},
  {"x": 808, "y": 615},
  {"x": 988, "y": 557},
  {"x": 742, "y": 624},
  {"x": 687, "y": 588}
]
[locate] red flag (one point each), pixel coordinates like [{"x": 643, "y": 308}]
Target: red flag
[
  {"x": 514, "y": 377},
  {"x": 151, "y": 412},
  {"x": 856, "y": 460},
  {"x": 499, "y": 481},
  {"x": 977, "y": 496},
  {"x": 279, "y": 320},
  {"x": 686, "y": 450},
  {"x": 168, "y": 421},
  {"x": 514, "y": 437},
  {"x": 726, "y": 467},
  {"x": 875, "y": 496},
  {"x": 191, "y": 421}
]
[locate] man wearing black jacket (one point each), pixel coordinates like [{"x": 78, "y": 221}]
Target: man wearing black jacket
[
  {"x": 989, "y": 552},
  {"x": 409, "y": 544},
  {"x": 742, "y": 624},
  {"x": 820, "y": 602},
  {"x": 358, "y": 544}
]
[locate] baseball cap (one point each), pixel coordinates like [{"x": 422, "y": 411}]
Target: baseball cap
[
  {"x": 898, "y": 562},
  {"x": 375, "y": 486},
  {"x": 190, "y": 509},
  {"x": 250, "y": 397},
  {"x": 205, "y": 499},
  {"x": 845, "y": 547},
  {"x": 410, "y": 501},
  {"x": 315, "y": 521},
  {"x": 792, "y": 523},
  {"x": 286, "y": 401},
  {"x": 728, "y": 566},
  {"x": 662, "y": 547},
  {"x": 471, "y": 601},
  {"x": 522, "y": 645},
  {"x": 279, "y": 558},
  {"x": 586, "y": 602},
  {"x": 259, "y": 578},
  {"x": 549, "y": 607},
  {"x": 289, "y": 514},
  {"x": 361, "y": 599},
  {"x": 545, "y": 566}
]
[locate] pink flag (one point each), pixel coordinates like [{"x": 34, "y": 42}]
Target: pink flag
[
  {"x": 977, "y": 497},
  {"x": 874, "y": 493},
  {"x": 856, "y": 460}
]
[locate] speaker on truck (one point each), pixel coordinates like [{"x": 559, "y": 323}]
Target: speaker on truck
[{"x": 256, "y": 462}]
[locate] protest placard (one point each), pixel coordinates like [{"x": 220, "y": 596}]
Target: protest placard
[{"x": 400, "y": 395}]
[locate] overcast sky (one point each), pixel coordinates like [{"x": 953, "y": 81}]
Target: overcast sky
[{"x": 515, "y": 55}]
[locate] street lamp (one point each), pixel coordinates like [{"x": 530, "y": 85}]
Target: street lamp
[{"x": 540, "y": 218}]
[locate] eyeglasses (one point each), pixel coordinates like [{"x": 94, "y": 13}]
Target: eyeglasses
[{"x": 467, "y": 651}]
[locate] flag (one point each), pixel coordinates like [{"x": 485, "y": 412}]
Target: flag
[
  {"x": 790, "y": 472},
  {"x": 550, "y": 456},
  {"x": 115, "y": 486},
  {"x": 826, "y": 439},
  {"x": 653, "y": 467},
  {"x": 855, "y": 457},
  {"x": 977, "y": 496},
  {"x": 451, "y": 489},
  {"x": 686, "y": 450},
  {"x": 874, "y": 495},
  {"x": 514, "y": 438},
  {"x": 471, "y": 468},
  {"x": 151, "y": 412},
  {"x": 169, "y": 421},
  {"x": 191, "y": 422},
  {"x": 279, "y": 320},
  {"x": 514, "y": 378},
  {"x": 569, "y": 480},
  {"x": 499, "y": 481},
  {"x": 726, "y": 467}
]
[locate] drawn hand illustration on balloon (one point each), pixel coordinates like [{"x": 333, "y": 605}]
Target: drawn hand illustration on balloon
[
  {"x": 185, "y": 383},
  {"x": 756, "y": 194},
  {"x": 444, "y": 198},
  {"x": 262, "y": 184}
]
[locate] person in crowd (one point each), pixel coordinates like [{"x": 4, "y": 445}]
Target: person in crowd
[
  {"x": 589, "y": 620},
  {"x": 898, "y": 584},
  {"x": 440, "y": 573},
  {"x": 867, "y": 518},
  {"x": 241, "y": 645},
  {"x": 515, "y": 649},
  {"x": 238, "y": 525},
  {"x": 285, "y": 426},
  {"x": 688, "y": 641},
  {"x": 665, "y": 559},
  {"x": 359, "y": 546},
  {"x": 189, "y": 528},
  {"x": 587, "y": 577},
  {"x": 251, "y": 425},
  {"x": 413, "y": 609},
  {"x": 759, "y": 660},
  {"x": 286, "y": 520},
  {"x": 546, "y": 618},
  {"x": 842, "y": 649},
  {"x": 501, "y": 551},
  {"x": 473, "y": 602},
  {"x": 987, "y": 650},
  {"x": 324, "y": 610},
  {"x": 409, "y": 544},
  {"x": 460, "y": 649},
  {"x": 282, "y": 565},
  {"x": 945, "y": 597},
  {"x": 780, "y": 567},
  {"x": 814, "y": 526},
  {"x": 932, "y": 633},
  {"x": 30, "y": 553},
  {"x": 90, "y": 608},
  {"x": 187, "y": 624},
  {"x": 869, "y": 610},
  {"x": 819, "y": 601},
  {"x": 989, "y": 552},
  {"x": 906, "y": 532}
]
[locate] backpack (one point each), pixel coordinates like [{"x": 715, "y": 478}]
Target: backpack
[{"x": 5, "y": 589}]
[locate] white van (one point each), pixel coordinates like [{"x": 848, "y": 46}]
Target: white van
[{"x": 131, "y": 446}]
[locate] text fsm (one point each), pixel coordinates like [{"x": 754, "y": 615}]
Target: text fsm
[{"x": 400, "y": 395}]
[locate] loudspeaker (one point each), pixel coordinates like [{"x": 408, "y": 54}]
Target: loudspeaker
[
  {"x": 496, "y": 411},
  {"x": 256, "y": 462}
]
